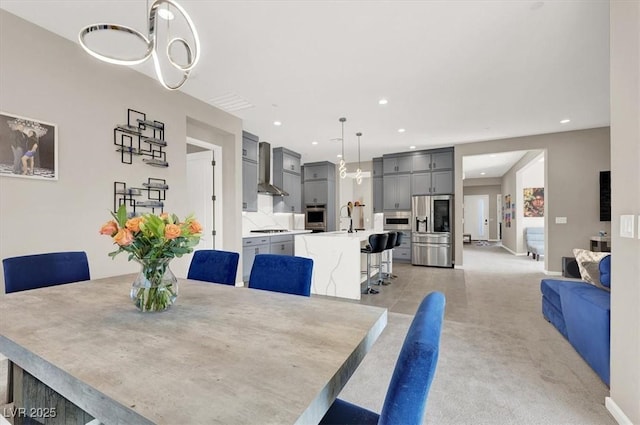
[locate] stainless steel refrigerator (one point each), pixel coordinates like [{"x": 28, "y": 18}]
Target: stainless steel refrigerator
[{"x": 432, "y": 230}]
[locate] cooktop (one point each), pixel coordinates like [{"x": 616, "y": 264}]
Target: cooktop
[{"x": 269, "y": 231}]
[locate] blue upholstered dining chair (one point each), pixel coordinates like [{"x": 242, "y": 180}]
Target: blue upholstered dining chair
[
  {"x": 282, "y": 273},
  {"x": 211, "y": 265},
  {"x": 406, "y": 398},
  {"x": 40, "y": 270}
]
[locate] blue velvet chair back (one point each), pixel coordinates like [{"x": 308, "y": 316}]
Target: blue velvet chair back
[
  {"x": 406, "y": 398},
  {"x": 282, "y": 273},
  {"x": 40, "y": 270},
  {"x": 211, "y": 265}
]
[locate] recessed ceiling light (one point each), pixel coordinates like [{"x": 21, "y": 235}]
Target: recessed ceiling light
[
  {"x": 401, "y": 130},
  {"x": 339, "y": 156},
  {"x": 165, "y": 14},
  {"x": 482, "y": 173},
  {"x": 383, "y": 102},
  {"x": 314, "y": 143},
  {"x": 493, "y": 155},
  {"x": 412, "y": 147},
  {"x": 565, "y": 121},
  {"x": 277, "y": 123}
]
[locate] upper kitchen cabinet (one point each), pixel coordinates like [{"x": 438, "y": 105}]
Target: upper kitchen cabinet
[
  {"x": 432, "y": 172},
  {"x": 250, "y": 146},
  {"x": 377, "y": 168},
  {"x": 397, "y": 192},
  {"x": 396, "y": 163},
  {"x": 286, "y": 175},
  {"x": 249, "y": 172},
  {"x": 319, "y": 171},
  {"x": 432, "y": 160},
  {"x": 378, "y": 191}
]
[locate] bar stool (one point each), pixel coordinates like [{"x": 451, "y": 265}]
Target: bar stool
[
  {"x": 391, "y": 242},
  {"x": 398, "y": 243},
  {"x": 377, "y": 244}
]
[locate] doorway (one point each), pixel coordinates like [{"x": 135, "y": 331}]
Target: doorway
[
  {"x": 204, "y": 179},
  {"x": 476, "y": 217}
]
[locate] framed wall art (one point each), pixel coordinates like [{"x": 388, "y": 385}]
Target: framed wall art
[
  {"x": 534, "y": 202},
  {"x": 28, "y": 148}
]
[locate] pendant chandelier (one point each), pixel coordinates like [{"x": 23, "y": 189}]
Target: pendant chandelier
[
  {"x": 343, "y": 167},
  {"x": 192, "y": 53},
  {"x": 359, "y": 170}
]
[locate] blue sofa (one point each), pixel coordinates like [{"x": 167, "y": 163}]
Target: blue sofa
[{"x": 581, "y": 312}]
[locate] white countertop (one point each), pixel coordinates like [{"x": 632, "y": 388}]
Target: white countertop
[
  {"x": 288, "y": 232},
  {"x": 360, "y": 235}
]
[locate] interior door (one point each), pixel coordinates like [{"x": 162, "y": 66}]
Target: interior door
[
  {"x": 200, "y": 187},
  {"x": 476, "y": 217}
]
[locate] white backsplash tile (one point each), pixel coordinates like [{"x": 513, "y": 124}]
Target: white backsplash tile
[{"x": 265, "y": 218}]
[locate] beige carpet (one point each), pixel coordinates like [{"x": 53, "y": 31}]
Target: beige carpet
[{"x": 500, "y": 361}]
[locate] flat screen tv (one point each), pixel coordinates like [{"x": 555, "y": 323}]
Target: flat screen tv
[{"x": 605, "y": 195}]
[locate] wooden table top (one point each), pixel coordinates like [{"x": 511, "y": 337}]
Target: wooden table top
[{"x": 220, "y": 355}]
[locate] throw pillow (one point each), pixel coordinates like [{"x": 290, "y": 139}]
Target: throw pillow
[{"x": 588, "y": 262}]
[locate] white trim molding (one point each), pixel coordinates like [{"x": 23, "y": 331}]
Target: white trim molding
[{"x": 616, "y": 412}]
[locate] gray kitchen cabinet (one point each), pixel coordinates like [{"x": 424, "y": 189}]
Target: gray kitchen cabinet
[
  {"x": 250, "y": 146},
  {"x": 250, "y": 248},
  {"x": 286, "y": 175},
  {"x": 249, "y": 172},
  {"x": 442, "y": 160},
  {"x": 396, "y": 192},
  {"x": 442, "y": 182},
  {"x": 281, "y": 245},
  {"x": 432, "y": 172},
  {"x": 421, "y": 161},
  {"x": 378, "y": 195},
  {"x": 290, "y": 183},
  {"x": 377, "y": 167},
  {"x": 432, "y": 183},
  {"x": 432, "y": 160},
  {"x": 403, "y": 251},
  {"x": 316, "y": 192},
  {"x": 249, "y": 185},
  {"x": 320, "y": 189},
  {"x": 396, "y": 163},
  {"x": 319, "y": 171},
  {"x": 421, "y": 183}
]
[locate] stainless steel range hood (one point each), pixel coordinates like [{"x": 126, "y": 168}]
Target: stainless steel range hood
[{"x": 264, "y": 171}]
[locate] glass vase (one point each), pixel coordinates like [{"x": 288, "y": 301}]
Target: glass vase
[{"x": 155, "y": 287}]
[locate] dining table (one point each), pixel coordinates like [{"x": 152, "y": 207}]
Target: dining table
[{"x": 220, "y": 355}]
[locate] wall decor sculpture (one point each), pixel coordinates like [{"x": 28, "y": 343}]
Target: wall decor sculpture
[
  {"x": 155, "y": 190},
  {"x": 141, "y": 137}
]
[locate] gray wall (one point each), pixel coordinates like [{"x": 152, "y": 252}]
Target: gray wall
[
  {"x": 87, "y": 98},
  {"x": 572, "y": 169},
  {"x": 471, "y": 187},
  {"x": 513, "y": 237},
  {"x": 625, "y": 199}
]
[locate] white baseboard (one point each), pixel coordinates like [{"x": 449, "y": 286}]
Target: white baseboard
[
  {"x": 616, "y": 412},
  {"x": 513, "y": 252},
  {"x": 458, "y": 266},
  {"x": 550, "y": 273}
]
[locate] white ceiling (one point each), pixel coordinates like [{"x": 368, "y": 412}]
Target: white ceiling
[
  {"x": 452, "y": 71},
  {"x": 490, "y": 165}
]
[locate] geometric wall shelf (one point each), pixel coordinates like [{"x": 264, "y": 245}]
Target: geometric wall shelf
[
  {"x": 154, "y": 189},
  {"x": 141, "y": 137}
]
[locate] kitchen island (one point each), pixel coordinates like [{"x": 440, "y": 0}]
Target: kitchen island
[{"x": 337, "y": 261}]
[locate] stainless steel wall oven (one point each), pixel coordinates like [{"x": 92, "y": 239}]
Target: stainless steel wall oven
[{"x": 315, "y": 218}]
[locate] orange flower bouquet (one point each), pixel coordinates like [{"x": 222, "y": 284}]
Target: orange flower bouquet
[{"x": 153, "y": 241}]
